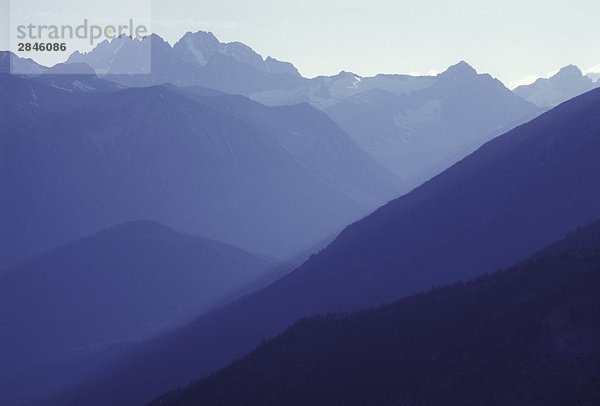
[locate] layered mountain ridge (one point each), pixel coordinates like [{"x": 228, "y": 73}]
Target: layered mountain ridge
[
  {"x": 516, "y": 194},
  {"x": 124, "y": 284},
  {"x": 524, "y": 335},
  {"x": 393, "y": 117},
  {"x": 461, "y": 177},
  {"x": 438, "y": 122},
  {"x": 75, "y": 162}
]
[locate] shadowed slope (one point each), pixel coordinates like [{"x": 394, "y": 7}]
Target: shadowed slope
[{"x": 528, "y": 335}]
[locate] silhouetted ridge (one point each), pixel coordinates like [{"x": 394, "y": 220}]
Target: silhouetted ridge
[
  {"x": 460, "y": 69},
  {"x": 527, "y": 335},
  {"x": 584, "y": 241},
  {"x": 570, "y": 70}
]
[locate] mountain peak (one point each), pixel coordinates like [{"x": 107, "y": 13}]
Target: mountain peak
[
  {"x": 198, "y": 47},
  {"x": 276, "y": 66},
  {"x": 567, "y": 83},
  {"x": 461, "y": 69},
  {"x": 569, "y": 70},
  {"x": 346, "y": 74},
  {"x": 155, "y": 37},
  {"x": 10, "y": 62},
  {"x": 462, "y": 66},
  {"x": 201, "y": 36}
]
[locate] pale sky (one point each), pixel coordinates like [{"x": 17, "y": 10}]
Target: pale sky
[{"x": 511, "y": 39}]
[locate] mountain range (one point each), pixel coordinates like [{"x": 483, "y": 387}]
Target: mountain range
[
  {"x": 395, "y": 118},
  {"x": 103, "y": 156},
  {"x": 416, "y": 126},
  {"x": 510, "y": 198},
  {"x": 271, "y": 180},
  {"x": 420, "y": 133},
  {"x": 196, "y": 59}
]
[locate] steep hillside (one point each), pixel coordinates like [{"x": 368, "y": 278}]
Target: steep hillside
[{"x": 527, "y": 335}]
